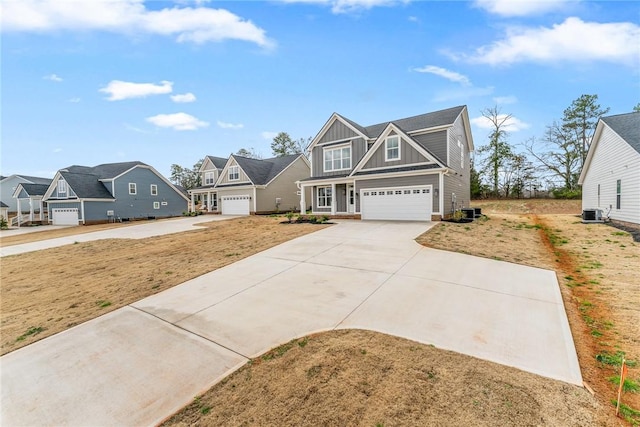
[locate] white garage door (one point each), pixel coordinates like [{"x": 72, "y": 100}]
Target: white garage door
[
  {"x": 397, "y": 203},
  {"x": 65, "y": 216},
  {"x": 235, "y": 205}
]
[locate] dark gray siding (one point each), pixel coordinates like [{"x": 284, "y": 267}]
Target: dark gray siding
[
  {"x": 408, "y": 155},
  {"x": 455, "y": 184},
  {"x": 336, "y": 132},
  {"x": 461, "y": 185},
  {"x": 403, "y": 181},
  {"x": 358, "y": 149},
  {"x": 140, "y": 205},
  {"x": 436, "y": 142}
]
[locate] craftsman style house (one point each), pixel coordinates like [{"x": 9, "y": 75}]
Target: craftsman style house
[
  {"x": 416, "y": 168},
  {"x": 243, "y": 186},
  {"x": 610, "y": 176},
  {"x": 111, "y": 192}
]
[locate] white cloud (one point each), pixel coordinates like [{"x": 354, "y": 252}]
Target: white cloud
[
  {"x": 53, "y": 78},
  {"x": 177, "y": 121},
  {"x": 269, "y": 135},
  {"x": 74, "y": 100},
  {"x": 186, "y": 24},
  {"x": 447, "y": 74},
  {"x": 119, "y": 90},
  {"x": 521, "y": 7},
  {"x": 505, "y": 99},
  {"x": 135, "y": 129},
  {"x": 225, "y": 125},
  {"x": 349, "y": 6},
  {"x": 183, "y": 98},
  {"x": 462, "y": 93},
  {"x": 413, "y": 19},
  {"x": 57, "y": 150},
  {"x": 512, "y": 124},
  {"x": 573, "y": 40}
]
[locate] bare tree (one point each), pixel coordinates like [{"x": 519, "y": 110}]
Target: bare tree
[{"x": 498, "y": 150}]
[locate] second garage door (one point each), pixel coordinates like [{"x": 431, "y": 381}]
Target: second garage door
[
  {"x": 396, "y": 203},
  {"x": 235, "y": 205},
  {"x": 65, "y": 216}
]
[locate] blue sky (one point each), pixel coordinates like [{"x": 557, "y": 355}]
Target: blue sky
[{"x": 170, "y": 82}]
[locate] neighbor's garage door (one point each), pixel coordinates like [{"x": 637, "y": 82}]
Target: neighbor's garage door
[
  {"x": 397, "y": 203},
  {"x": 65, "y": 216},
  {"x": 235, "y": 205}
]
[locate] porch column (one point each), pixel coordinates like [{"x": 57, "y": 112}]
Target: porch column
[
  {"x": 192, "y": 208},
  {"x": 19, "y": 213},
  {"x": 30, "y": 209},
  {"x": 303, "y": 209},
  {"x": 209, "y": 201},
  {"x": 41, "y": 206},
  {"x": 333, "y": 199}
]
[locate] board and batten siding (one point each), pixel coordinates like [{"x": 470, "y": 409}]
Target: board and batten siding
[
  {"x": 403, "y": 181},
  {"x": 358, "y": 149},
  {"x": 284, "y": 187},
  {"x": 435, "y": 142},
  {"x": 336, "y": 132},
  {"x": 408, "y": 155},
  {"x": 613, "y": 160},
  {"x": 243, "y": 176},
  {"x": 140, "y": 205}
]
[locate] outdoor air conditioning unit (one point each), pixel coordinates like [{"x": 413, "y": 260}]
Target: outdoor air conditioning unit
[{"x": 592, "y": 215}]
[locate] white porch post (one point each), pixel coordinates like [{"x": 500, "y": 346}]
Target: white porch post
[
  {"x": 41, "y": 206},
  {"x": 333, "y": 199},
  {"x": 19, "y": 213},
  {"x": 192, "y": 208},
  {"x": 303, "y": 203},
  {"x": 31, "y": 209},
  {"x": 209, "y": 201}
]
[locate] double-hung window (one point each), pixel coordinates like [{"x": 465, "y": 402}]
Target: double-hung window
[
  {"x": 132, "y": 188},
  {"x": 618, "y": 193},
  {"x": 62, "y": 187},
  {"x": 324, "y": 197},
  {"x": 461, "y": 148},
  {"x": 336, "y": 159},
  {"x": 154, "y": 190},
  {"x": 234, "y": 173},
  {"x": 209, "y": 178},
  {"x": 392, "y": 148}
]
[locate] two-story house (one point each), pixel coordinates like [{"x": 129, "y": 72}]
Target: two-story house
[
  {"x": 416, "y": 168},
  {"x": 243, "y": 186},
  {"x": 111, "y": 191}
]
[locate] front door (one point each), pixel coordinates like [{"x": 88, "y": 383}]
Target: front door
[{"x": 350, "y": 199}]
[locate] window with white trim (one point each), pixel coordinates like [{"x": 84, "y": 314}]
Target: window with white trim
[
  {"x": 234, "y": 173},
  {"x": 133, "y": 188},
  {"x": 154, "y": 190},
  {"x": 618, "y": 193},
  {"x": 392, "y": 148},
  {"x": 209, "y": 178},
  {"x": 62, "y": 186},
  {"x": 324, "y": 197},
  {"x": 461, "y": 147},
  {"x": 156, "y": 205},
  {"x": 336, "y": 159}
]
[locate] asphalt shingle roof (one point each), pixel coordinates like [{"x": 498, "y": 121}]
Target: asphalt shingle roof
[
  {"x": 627, "y": 126},
  {"x": 261, "y": 171},
  {"x": 218, "y": 162},
  {"x": 36, "y": 189},
  {"x": 403, "y": 169},
  {"x": 422, "y": 121},
  {"x": 85, "y": 180}
]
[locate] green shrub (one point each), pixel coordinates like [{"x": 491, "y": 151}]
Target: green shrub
[
  {"x": 3, "y": 223},
  {"x": 565, "y": 193}
]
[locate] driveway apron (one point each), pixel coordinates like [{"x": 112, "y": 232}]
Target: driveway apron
[{"x": 139, "y": 364}]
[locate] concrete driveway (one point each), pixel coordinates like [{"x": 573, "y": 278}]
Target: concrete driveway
[
  {"x": 137, "y": 231},
  {"x": 139, "y": 364}
]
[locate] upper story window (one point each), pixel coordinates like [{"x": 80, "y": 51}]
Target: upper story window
[
  {"x": 62, "y": 186},
  {"x": 461, "y": 147},
  {"x": 336, "y": 159},
  {"x": 209, "y": 178},
  {"x": 392, "y": 148},
  {"x": 154, "y": 190},
  {"x": 234, "y": 173},
  {"x": 132, "y": 188}
]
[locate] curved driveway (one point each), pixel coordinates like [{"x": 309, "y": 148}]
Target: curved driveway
[{"x": 139, "y": 364}]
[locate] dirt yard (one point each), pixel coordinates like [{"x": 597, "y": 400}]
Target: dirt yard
[
  {"x": 46, "y": 292},
  {"x": 597, "y": 266}
]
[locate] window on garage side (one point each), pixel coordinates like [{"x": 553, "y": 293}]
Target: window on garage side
[
  {"x": 336, "y": 159},
  {"x": 324, "y": 197},
  {"x": 392, "y": 148},
  {"x": 618, "y": 193},
  {"x": 154, "y": 190},
  {"x": 156, "y": 205},
  {"x": 132, "y": 188},
  {"x": 234, "y": 173}
]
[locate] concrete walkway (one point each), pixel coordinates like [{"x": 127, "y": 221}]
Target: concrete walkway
[
  {"x": 138, "y": 231},
  {"x": 139, "y": 364}
]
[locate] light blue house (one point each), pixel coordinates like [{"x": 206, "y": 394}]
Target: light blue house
[{"x": 111, "y": 192}]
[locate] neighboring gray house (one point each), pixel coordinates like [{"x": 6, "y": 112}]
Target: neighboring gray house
[
  {"x": 246, "y": 186},
  {"x": 30, "y": 196},
  {"x": 610, "y": 176},
  {"x": 209, "y": 172},
  {"x": 4, "y": 211},
  {"x": 112, "y": 191},
  {"x": 8, "y": 185},
  {"x": 416, "y": 168}
]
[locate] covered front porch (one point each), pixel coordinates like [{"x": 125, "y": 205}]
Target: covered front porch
[
  {"x": 203, "y": 199},
  {"x": 329, "y": 197}
]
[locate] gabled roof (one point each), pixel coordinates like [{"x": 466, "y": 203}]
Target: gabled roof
[
  {"x": 86, "y": 185},
  {"x": 35, "y": 189},
  {"x": 104, "y": 171},
  {"x": 422, "y": 121},
  {"x": 3, "y": 205},
  {"x": 627, "y": 126},
  {"x": 218, "y": 162},
  {"x": 31, "y": 179},
  {"x": 262, "y": 171}
]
